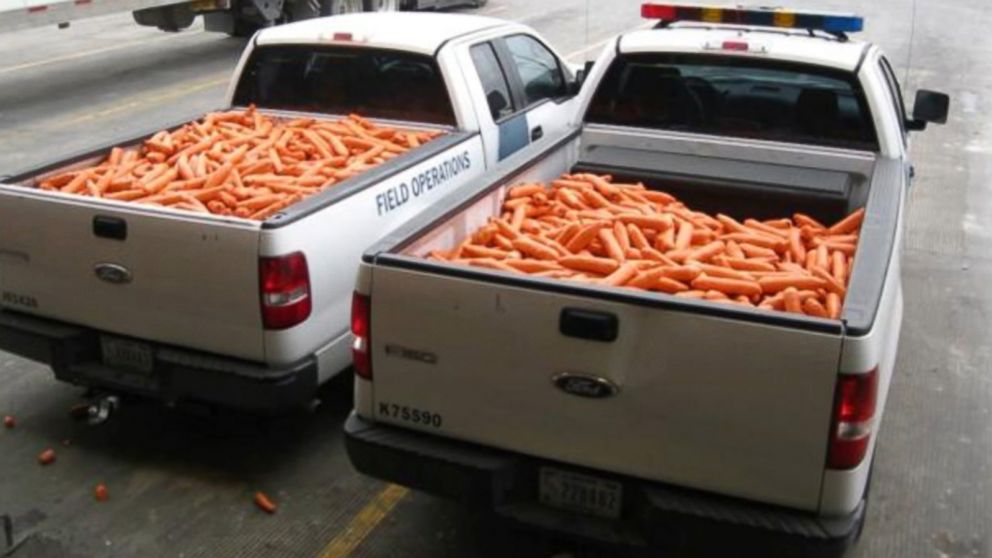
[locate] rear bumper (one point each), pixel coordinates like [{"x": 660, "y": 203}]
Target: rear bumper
[
  {"x": 177, "y": 375},
  {"x": 653, "y": 514}
]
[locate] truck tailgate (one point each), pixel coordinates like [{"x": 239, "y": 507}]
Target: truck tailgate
[
  {"x": 705, "y": 400},
  {"x": 173, "y": 278}
]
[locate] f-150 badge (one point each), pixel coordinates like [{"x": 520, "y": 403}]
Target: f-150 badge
[
  {"x": 113, "y": 273},
  {"x": 584, "y": 385}
]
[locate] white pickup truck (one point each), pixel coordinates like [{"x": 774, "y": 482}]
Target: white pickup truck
[
  {"x": 637, "y": 416},
  {"x": 176, "y": 305}
]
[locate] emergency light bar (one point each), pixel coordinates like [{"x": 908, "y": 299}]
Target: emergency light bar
[{"x": 763, "y": 17}]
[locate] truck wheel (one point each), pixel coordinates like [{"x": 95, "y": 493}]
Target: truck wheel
[
  {"x": 167, "y": 18},
  {"x": 347, "y": 7},
  {"x": 382, "y": 5}
]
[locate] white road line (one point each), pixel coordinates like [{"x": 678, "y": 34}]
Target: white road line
[
  {"x": 85, "y": 53},
  {"x": 495, "y": 10}
]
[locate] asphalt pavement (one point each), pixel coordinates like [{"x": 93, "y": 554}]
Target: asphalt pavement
[{"x": 181, "y": 483}]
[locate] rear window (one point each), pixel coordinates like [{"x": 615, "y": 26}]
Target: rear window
[
  {"x": 372, "y": 82},
  {"x": 739, "y": 97}
]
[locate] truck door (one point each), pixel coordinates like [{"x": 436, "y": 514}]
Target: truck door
[{"x": 503, "y": 125}]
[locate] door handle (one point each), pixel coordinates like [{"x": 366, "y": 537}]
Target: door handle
[
  {"x": 537, "y": 133},
  {"x": 588, "y": 324}
]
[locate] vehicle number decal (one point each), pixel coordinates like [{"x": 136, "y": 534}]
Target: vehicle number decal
[{"x": 410, "y": 414}]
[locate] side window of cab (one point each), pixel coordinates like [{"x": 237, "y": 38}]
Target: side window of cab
[{"x": 540, "y": 73}]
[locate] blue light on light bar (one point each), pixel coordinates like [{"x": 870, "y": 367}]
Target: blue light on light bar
[{"x": 763, "y": 17}]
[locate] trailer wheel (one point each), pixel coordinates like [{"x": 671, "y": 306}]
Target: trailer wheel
[
  {"x": 167, "y": 18},
  {"x": 382, "y": 5},
  {"x": 346, "y": 7}
]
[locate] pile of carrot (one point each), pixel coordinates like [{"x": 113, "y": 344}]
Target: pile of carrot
[
  {"x": 587, "y": 228},
  {"x": 241, "y": 163}
]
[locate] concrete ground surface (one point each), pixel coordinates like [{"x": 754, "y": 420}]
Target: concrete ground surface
[{"x": 181, "y": 484}]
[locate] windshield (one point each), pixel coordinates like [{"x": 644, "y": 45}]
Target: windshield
[
  {"x": 372, "y": 82},
  {"x": 735, "y": 96}
]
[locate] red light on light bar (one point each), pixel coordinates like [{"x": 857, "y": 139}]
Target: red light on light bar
[
  {"x": 342, "y": 37},
  {"x": 737, "y": 46},
  {"x": 658, "y": 11}
]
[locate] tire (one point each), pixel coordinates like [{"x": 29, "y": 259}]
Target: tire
[
  {"x": 338, "y": 7},
  {"x": 167, "y": 18},
  {"x": 382, "y": 5}
]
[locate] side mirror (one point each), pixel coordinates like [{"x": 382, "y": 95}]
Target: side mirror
[
  {"x": 497, "y": 104},
  {"x": 930, "y": 106},
  {"x": 580, "y": 77}
]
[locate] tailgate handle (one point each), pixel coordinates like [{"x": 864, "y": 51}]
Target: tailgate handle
[
  {"x": 588, "y": 324},
  {"x": 113, "y": 228}
]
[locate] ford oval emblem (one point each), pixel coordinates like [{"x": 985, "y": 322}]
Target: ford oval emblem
[
  {"x": 113, "y": 273},
  {"x": 584, "y": 385}
]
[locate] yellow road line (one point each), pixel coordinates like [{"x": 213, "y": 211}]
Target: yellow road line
[
  {"x": 364, "y": 522},
  {"x": 85, "y": 53}
]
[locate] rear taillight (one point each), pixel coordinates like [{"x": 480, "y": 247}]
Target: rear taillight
[
  {"x": 285, "y": 289},
  {"x": 854, "y": 412},
  {"x": 361, "y": 310}
]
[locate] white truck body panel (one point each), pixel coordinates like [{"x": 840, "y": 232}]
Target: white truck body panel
[
  {"x": 424, "y": 33},
  {"x": 25, "y": 14},
  {"x": 779, "y": 44},
  {"x": 185, "y": 270},
  {"x": 701, "y": 392}
]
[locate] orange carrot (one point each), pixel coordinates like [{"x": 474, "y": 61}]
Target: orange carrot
[
  {"x": 804, "y": 220},
  {"x": 684, "y": 237},
  {"x": 601, "y": 266},
  {"x": 525, "y": 190},
  {"x": 533, "y": 248},
  {"x": 848, "y": 224},
  {"x": 832, "y": 284},
  {"x": 265, "y": 503},
  {"x": 670, "y": 286},
  {"x": 101, "y": 493},
  {"x": 775, "y": 284},
  {"x": 727, "y": 286},
  {"x": 791, "y": 301},
  {"x": 532, "y": 266},
  {"x": 796, "y": 247},
  {"x": 833, "y": 305},
  {"x": 706, "y": 252},
  {"x": 812, "y": 307},
  {"x": 838, "y": 267},
  {"x": 660, "y": 223},
  {"x": 622, "y": 274},
  {"x": 46, "y": 457},
  {"x": 611, "y": 245}
]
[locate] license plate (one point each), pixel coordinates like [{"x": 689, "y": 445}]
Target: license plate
[
  {"x": 580, "y": 493},
  {"x": 123, "y": 353}
]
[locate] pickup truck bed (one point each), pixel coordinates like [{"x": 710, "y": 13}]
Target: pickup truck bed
[{"x": 186, "y": 268}]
